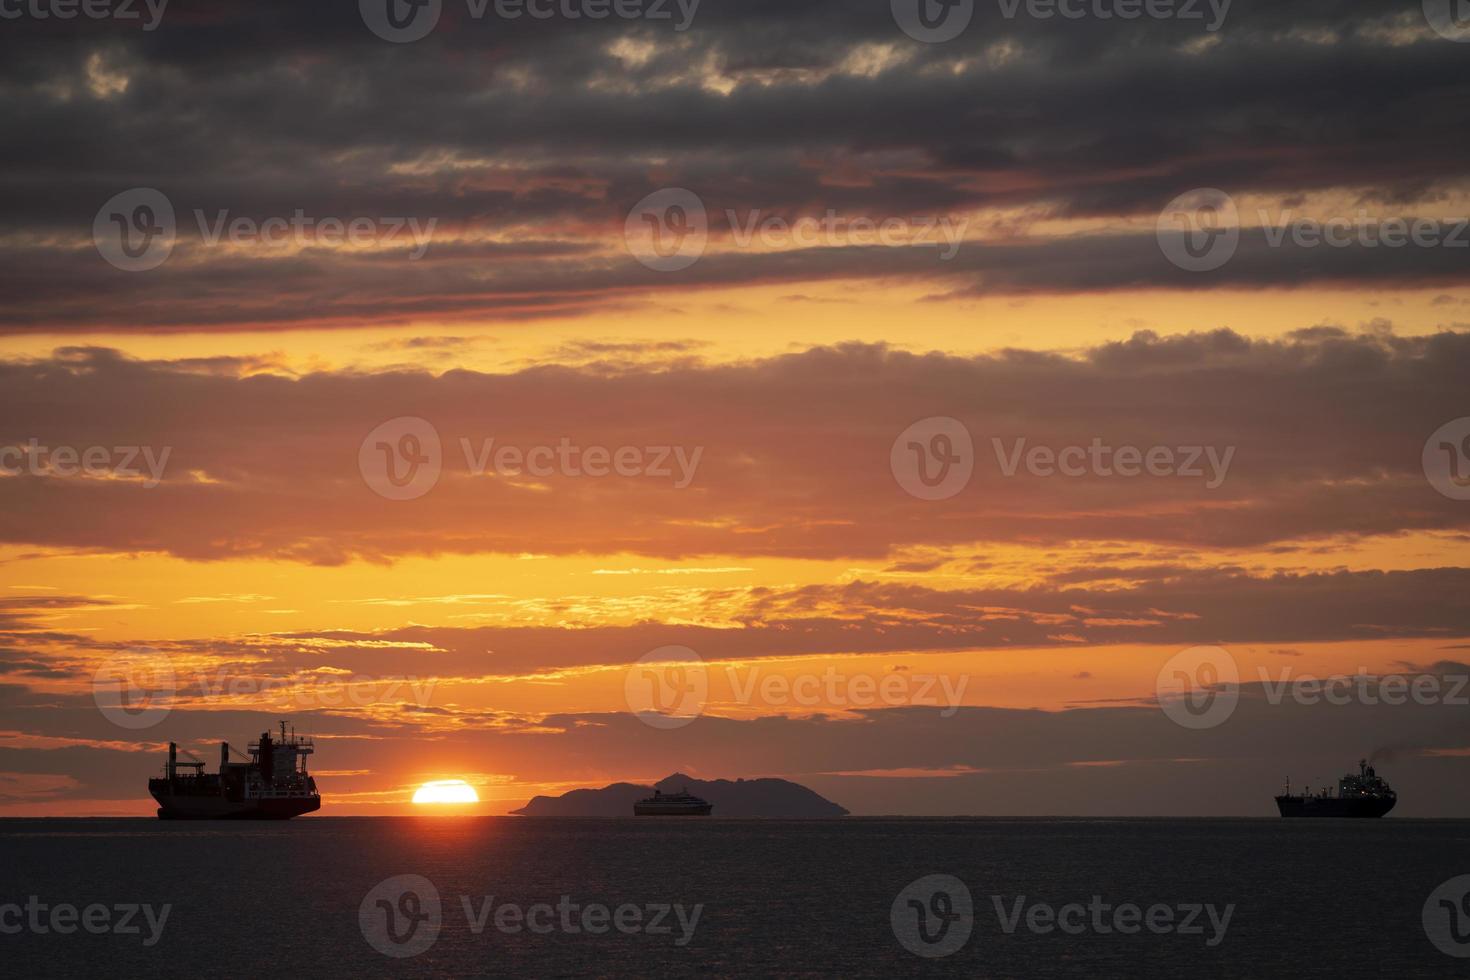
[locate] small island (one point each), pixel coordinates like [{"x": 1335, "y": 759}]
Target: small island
[{"x": 778, "y": 799}]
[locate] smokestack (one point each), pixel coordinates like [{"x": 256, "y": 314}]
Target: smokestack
[
  {"x": 224, "y": 755},
  {"x": 173, "y": 759},
  {"x": 267, "y": 758}
]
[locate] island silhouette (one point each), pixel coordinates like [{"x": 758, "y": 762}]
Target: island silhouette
[{"x": 773, "y": 798}]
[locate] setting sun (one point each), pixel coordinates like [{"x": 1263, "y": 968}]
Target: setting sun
[{"x": 446, "y": 791}]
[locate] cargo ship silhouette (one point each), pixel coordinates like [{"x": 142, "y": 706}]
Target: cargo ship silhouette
[
  {"x": 272, "y": 784},
  {"x": 1363, "y": 795}
]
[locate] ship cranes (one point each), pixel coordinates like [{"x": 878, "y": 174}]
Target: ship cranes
[{"x": 271, "y": 784}]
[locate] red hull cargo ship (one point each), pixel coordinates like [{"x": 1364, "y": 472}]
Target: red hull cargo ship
[{"x": 272, "y": 784}]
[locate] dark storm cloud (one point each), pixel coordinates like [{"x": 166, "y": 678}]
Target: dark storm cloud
[
  {"x": 552, "y": 129},
  {"x": 477, "y": 282}
]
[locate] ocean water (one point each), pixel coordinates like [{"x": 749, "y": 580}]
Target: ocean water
[{"x": 328, "y": 898}]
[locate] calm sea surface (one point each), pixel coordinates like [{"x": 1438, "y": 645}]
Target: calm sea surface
[{"x": 319, "y": 897}]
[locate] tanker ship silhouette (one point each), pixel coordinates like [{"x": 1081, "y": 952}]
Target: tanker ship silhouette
[{"x": 1363, "y": 795}]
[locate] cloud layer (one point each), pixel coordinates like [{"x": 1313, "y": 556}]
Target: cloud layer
[{"x": 528, "y": 142}]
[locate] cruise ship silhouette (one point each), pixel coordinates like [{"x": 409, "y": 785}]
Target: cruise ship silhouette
[{"x": 662, "y": 804}]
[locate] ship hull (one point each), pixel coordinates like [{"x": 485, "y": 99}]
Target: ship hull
[
  {"x": 1333, "y": 807},
  {"x": 655, "y": 810},
  {"x": 172, "y": 807}
]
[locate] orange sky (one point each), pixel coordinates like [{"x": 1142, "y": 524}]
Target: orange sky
[
  {"x": 300, "y": 508},
  {"x": 155, "y": 598}
]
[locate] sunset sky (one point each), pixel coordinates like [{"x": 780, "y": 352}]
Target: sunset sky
[{"x": 753, "y": 259}]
